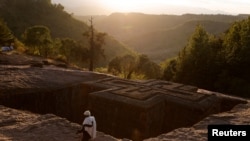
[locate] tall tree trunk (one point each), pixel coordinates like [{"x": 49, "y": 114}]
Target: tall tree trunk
[{"x": 92, "y": 53}]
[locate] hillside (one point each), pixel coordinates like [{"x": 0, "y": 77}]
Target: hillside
[
  {"x": 160, "y": 45},
  {"x": 20, "y": 15},
  {"x": 159, "y": 36}
]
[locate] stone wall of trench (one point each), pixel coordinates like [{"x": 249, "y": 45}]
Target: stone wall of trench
[
  {"x": 68, "y": 102},
  {"x": 125, "y": 109}
]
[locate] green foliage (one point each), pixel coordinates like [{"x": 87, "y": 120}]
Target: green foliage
[
  {"x": 134, "y": 67},
  {"x": 101, "y": 70},
  {"x": 70, "y": 51},
  {"x": 148, "y": 68},
  {"x": 237, "y": 43},
  {"x": 198, "y": 63},
  {"x": 38, "y": 39},
  {"x": 125, "y": 65},
  {"x": 69, "y": 48},
  {"x": 128, "y": 65},
  {"x": 8, "y": 39},
  {"x": 169, "y": 69},
  {"x": 6, "y": 36},
  {"x": 194, "y": 58},
  {"x": 215, "y": 63},
  {"x": 19, "y": 46},
  {"x": 21, "y": 14},
  {"x": 236, "y": 52},
  {"x": 114, "y": 66}
]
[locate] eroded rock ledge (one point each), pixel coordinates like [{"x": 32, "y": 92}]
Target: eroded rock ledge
[{"x": 17, "y": 125}]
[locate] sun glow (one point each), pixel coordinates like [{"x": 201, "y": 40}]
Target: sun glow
[
  {"x": 157, "y": 6},
  {"x": 125, "y": 5},
  {"x": 122, "y": 6},
  {"x": 146, "y": 5}
]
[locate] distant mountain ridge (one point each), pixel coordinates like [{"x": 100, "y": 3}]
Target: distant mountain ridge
[
  {"x": 95, "y": 7},
  {"x": 159, "y": 36}
]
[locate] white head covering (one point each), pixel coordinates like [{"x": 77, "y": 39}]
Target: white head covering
[{"x": 87, "y": 113}]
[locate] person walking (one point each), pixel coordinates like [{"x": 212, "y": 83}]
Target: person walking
[{"x": 88, "y": 127}]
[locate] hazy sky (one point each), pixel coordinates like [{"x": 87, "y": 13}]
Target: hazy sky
[{"x": 105, "y": 7}]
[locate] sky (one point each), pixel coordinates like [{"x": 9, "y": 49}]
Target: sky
[{"x": 106, "y": 7}]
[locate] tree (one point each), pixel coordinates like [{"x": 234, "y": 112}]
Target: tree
[
  {"x": 237, "y": 44},
  {"x": 38, "y": 39},
  {"x": 147, "y": 68},
  {"x": 73, "y": 51},
  {"x": 192, "y": 57},
  {"x": 236, "y": 51},
  {"x": 96, "y": 41},
  {"x": 215, "y": 63},
  {"x": 67, "y": 48},
  {"x": 5, "y": 34},
  {"x": 114, "y": 66},
  {"x": 196, "y": 63},
  {"x": 125, "y": 65},
  {"x": 170, "y": 69},
  {"x": 129, "y": 64}
]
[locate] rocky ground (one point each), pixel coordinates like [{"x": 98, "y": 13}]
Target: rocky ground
[
  {"x": 19, "y": 71},
  {"x": 239, "y": 115},
  {"x": 16, "y": 125},
  {"x": 20, "y": 125}
]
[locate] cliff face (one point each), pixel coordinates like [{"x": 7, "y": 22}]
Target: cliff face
[
  {"x": 239, "y": 115},
  {"x": 27, "y": 83},
  {"x": 23, "y": 125},
  {"x": 125, "y": 109}
]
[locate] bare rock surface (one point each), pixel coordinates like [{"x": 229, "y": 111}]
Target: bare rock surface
[
  {"x": 19, "y": 71},
  {"x": 25, "y": 74},
  {"x": 239, "y": 115},
  {"x": 17, "y": 125}
]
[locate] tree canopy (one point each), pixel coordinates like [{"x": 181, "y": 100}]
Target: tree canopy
[
  {"x": 193, "y": 61},
  {"x": 38, "y": 39},
  {"x": 6, "y": 37},
  {"x": 140, "y": 65},
  {"x": 218, "y": 63}
]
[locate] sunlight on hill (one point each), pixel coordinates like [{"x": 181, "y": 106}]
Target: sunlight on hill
[
  {"x": 124, "y": 6},
  {"x": 106, "y": 7}
]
